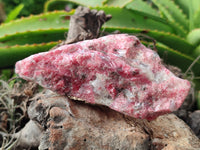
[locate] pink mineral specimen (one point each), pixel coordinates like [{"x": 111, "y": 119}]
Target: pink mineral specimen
[{"x": 115, "y": 70}]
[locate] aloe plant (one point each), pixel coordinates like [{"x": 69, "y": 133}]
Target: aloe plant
[
  {"x": 23, "y": 37},
  {"x": 174, "y": 24}
]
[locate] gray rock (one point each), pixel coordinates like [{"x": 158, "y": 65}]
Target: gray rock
[
  {"x": 29, "y": 136},
  {"x": 194, "y": 122}
]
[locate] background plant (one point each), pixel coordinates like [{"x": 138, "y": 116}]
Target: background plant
[
  {"x": 31, "y": 6},
  {"x": 174, "y": 24}
]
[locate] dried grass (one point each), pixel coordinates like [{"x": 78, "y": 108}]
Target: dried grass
[{"x": 13, "y": 108}]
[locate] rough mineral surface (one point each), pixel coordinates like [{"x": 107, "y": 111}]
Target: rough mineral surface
[{"x": 115, "y": 70}]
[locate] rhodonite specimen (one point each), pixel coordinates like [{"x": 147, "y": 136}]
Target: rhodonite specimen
[{"x": 114, "y": 70}]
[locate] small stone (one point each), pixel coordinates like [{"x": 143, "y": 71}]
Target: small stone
[
  {"x": 194, "y": 122},
  {"x": 116, "y": 71}
]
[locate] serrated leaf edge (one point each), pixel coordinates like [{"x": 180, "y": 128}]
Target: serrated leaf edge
[
  {"x": 31, "y": 31},
  {"x": 35, "y": 16},
  {"x": 177, "y": 24},
  {"x": 166, "y": 33},
  {"x": 30, "y": 45}
]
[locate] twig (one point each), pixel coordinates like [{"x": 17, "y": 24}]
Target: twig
[{"x": 190, "y": 67}]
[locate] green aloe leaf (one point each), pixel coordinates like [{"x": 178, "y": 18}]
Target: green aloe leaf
[
  {"x": 46, "y": 21},
  {"x": 52, "y": 5},
  {"x": 142, "y": 7},
  {"x": 14, "y": 13},
  {"x": 196, "y": 19},
  {"x": 194, "y": 37},
  {"x": 145, "y": 10},
  {"x": 10, "y": 55},
  {"x": 194, "y": 7},
  {"x": 88, "y": 3},
  {"x": 127, "y": 18},
  {"x": 196, "y": 51},
  {"x": 33, "y": 37},
  {"x": 184, "y": 5},
  {"x": 116, "y": 3},
  {"x": 171, "y": 40},
  {"x": 172, "y": 12}
]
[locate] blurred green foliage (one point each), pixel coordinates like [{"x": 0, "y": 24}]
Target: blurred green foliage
[
  {"x": 14, "y": 13},
  {"x": 30, "y": 6}
]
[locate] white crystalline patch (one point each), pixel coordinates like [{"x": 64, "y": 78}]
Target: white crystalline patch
[
  {"x": 149, "y": 74},
  {"x": 121, "y": 52},
  {"x": 102, "y": 94},
  {"x": 138, "y": 106},
  {"x": 162, "y": 76},
  {"x": 172, "y": 106},
  {"x": 130, "y": 95},
  {"x": 99, "y": 84}
]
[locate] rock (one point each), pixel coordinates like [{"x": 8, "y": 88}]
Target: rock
[
  {"x": 182, "y": 114},
  {"x": 116, "y": 71},
  {"x": 170, "y": 133},
  {"x": 29, "y": 136},
  {"x": 194, "y": 122},
  {"x": 75, "y": 125}
]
